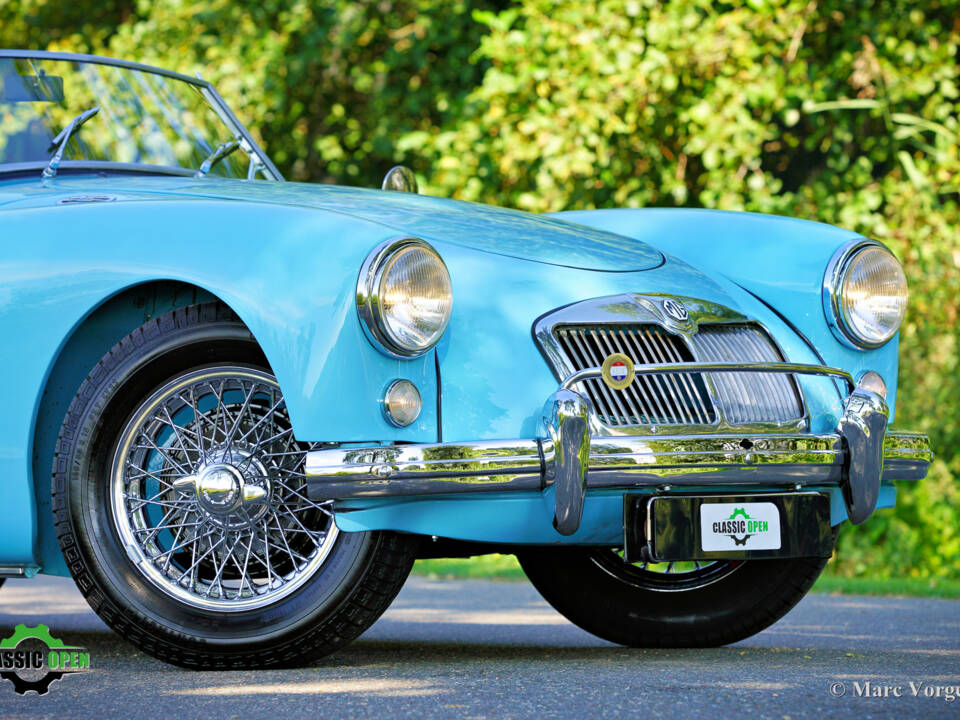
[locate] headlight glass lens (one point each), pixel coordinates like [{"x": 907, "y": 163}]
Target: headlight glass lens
[
  {"x": 415, "y": 298},
  {"x": 873, "y": 295}
]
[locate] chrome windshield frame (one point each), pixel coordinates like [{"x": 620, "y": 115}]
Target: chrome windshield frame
[{"x": 208, "y": 91}]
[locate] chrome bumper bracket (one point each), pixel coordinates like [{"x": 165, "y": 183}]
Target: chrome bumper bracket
[
  {"x": 566, "y": 422},
  {"x": 863, "y": 428}
]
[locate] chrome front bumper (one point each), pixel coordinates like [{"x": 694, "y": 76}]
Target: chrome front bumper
[{"x": 857, "y": 457}]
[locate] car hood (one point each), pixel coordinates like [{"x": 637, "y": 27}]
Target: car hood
[{"x": 497, "y": 230}]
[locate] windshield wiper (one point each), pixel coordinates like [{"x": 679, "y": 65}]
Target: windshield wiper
[
  {"x": 62, "y": 138},
  {"x": 216, "y": 156}
]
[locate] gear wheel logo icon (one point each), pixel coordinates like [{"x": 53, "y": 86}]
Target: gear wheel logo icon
[{"x": 31, "y": 667}]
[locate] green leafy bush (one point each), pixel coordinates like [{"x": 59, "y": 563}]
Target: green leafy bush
[{"x": 826, "y": 109}]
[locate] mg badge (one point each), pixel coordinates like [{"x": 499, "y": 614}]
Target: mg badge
[
  {"x": 676, "y": 310},
  {"x": 617, "y": 371}
]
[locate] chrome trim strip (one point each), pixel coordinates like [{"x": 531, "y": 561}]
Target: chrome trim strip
[
  {"x": 695, "y": 367},
  {"x": 17, "y": 571}
]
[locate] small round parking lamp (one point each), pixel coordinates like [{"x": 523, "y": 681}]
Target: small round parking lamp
[{"x": 402, "y": 403}]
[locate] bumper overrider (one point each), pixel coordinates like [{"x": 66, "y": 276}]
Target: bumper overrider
[{"x": 860, "y": 455}]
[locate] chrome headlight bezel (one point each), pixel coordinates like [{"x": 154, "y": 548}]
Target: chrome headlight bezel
[
  {"x": 369, "y": 304},
  {"x": 833, "y": 306}
]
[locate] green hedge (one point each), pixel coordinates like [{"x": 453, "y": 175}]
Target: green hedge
[{"x": 825, "y": 109}]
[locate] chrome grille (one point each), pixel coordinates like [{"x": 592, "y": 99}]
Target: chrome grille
[
  {"x": 668, "y": 399},
  {"x": 747, "y": 397},
  {"x": 682, "y": 399}
]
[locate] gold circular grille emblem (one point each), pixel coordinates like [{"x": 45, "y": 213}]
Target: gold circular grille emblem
[{"x": 617, "y": 371}]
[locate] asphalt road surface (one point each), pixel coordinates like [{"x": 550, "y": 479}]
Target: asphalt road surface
[{"x": 476, "y": 649}]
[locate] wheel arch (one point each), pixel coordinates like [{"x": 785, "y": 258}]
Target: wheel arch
[{"x": 101, "y": 328}]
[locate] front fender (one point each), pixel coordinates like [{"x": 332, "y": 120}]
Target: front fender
[{"x": 289, "y": 273}]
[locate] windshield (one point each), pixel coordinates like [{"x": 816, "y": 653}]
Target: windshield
[{"x": 145, "y": 118}]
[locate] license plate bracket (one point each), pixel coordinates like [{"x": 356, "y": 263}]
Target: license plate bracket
[{"x": 663, "y": 528}]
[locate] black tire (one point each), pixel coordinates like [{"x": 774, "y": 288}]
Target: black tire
[
  {"x": 597, "y": 591},
  {"x": 359, "y": 576}
]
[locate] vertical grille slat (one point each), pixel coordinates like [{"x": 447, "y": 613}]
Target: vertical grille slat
[
  {"x": 600, "y": 339},
  {"x": 748, "y": 397},
  {"x": 654, "y": 382},
  {"x": 688, "y": 383},
  {"x": 734, "y": 391},
  {"x": 781, "y": 390},
  {"x": 582, "y": 343},
  {"x": 683, "y": 399},
  {"x": 659, "y": 381},
  {"x": 646, "y": 381},
  {"x": 642, "y": 406},
  {"x": 593, "y": 388},
  {"x": 771, "y": 388},
  {"x": 638, "y": 386},
  {"x": 659, "y": 343}
]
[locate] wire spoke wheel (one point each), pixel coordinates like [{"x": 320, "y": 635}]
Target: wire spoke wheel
[
  {"x": 209, "y": 494},
  {"x": 666, "y": 576}
]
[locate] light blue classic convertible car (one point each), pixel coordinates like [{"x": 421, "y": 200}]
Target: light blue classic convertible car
[{"x": 238, "y": 408}]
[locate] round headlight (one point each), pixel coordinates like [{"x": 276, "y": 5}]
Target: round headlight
[
  {"x": 404, "y": 297},
  {"x": 865, "y": 294}
]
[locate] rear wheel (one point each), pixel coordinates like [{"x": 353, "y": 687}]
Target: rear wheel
[
  {"x": 182, "y": 513},
  {"x": 690, "y": 604}
]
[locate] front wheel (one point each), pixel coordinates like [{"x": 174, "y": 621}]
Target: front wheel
[
  {"x": 181, "y": 508},
  {"x": 669, "y": 605}
]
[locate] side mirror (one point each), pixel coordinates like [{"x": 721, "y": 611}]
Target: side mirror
[{"x": 400, "y": 178}]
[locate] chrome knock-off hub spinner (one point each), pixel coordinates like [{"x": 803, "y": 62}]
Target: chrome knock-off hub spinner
[
  {"x": 232, "y": 489},
  {"x": 219, "y": 489}
]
